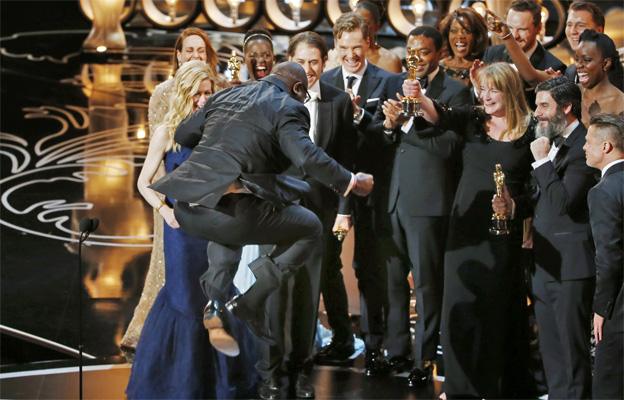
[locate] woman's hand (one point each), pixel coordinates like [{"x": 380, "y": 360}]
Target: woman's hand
[
  {"x": 167, "y": 213},
  {"x": 474, "y": 72}
]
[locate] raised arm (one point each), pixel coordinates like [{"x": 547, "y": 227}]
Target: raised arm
[{"x": 526, "y": 70}]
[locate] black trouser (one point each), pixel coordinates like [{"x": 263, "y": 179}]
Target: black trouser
[
  {"x": 293, "y": 312},
  {"x": 241, "y": 219},
  {"x": 608, "y": 368},
  {"x": 563, "y": 311},
  {"x": 416, "y": 245}
]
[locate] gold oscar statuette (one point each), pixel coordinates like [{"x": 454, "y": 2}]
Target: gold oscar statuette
[
  {"x": 499, "y": 225},
  {"x": 411, "y": 105},
  {"x": 234, "y": 66}
]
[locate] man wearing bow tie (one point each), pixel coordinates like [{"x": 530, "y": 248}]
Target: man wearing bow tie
[
  {"x": 564, "y": 276},
  {"x": 415, "y": 216},
  {"x": 293, "y": 310}
]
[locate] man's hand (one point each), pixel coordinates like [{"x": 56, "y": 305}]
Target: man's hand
[
  {"x": 411, "y": 88},
  {"x": 342, "y": 223},
  {"x": 540, "y": 148},
  {"x": 363, "y": 184},
  {"x": 503, "y": 205},
  {"x": 355, "y": 101},
  {"x": 598, "y": 323},
  {"x": 392, "y": 109}
]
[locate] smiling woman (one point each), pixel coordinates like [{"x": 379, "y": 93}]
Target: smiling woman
[{"x": 258, "y": 53}]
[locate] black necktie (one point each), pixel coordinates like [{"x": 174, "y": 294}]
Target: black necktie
[
  {"x": 557, "y": 140},
  {"x": 350, "y": 81},
  {"x": 424, "y": 82}
]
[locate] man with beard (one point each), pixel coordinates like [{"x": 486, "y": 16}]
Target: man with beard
[{"x": 564, "y": 276}]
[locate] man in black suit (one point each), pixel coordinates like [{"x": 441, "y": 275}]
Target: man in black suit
[
  {"x": 604, "y": 149},
  {"x": 414, "y": 235},
  {"x": 366, "y": 83},
  {"x": 525, "y": 22},
  {"x": 230, "y": 192},
  {"x": 564, "y": 276},
  {"x": 295, "y": 305}
]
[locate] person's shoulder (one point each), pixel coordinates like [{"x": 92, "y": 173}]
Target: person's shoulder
[
  {"x": 331, "y": 92},
  {"x": 330, "y": 73},
  {"x": 553, "y": 62},
  {"x": 380, "y": 72},
  {"x": 163, "y": 87},
  {"x": 494, "y": 53}
]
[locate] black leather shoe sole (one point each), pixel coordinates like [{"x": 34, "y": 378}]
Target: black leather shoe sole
[{"x": 254, "y": 321}]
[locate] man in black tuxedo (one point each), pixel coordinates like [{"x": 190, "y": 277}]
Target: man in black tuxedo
[
  {"x": 295, "y": 305},
  {"x": 564, "y": 276},
  {"x": 366, "y": 83},
  {"x": 604, "y": 149},
  {"x": 414, "y": 235},
  {"x": 525, "y": 22},
  {"x": 230, "y": 191}
]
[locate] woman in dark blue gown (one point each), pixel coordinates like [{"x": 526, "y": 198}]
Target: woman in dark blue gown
[
  {"x": 174, "y": 358},
  {"x": 482, "y": 299}
]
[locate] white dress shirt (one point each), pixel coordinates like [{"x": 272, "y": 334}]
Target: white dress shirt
[
  {"x": 611, "y": 164},
  {"x": 358, "y": 75},
  {"x": 312, "y": 106},
  {"x": 554, "y": 149}
]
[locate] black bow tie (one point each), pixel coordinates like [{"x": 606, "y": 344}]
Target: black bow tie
[
  {"x": 424, "y": 82},
  {"x": 558, "y": 140}
]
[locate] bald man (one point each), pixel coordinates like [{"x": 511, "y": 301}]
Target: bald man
[{"x": 231, "y": 193}]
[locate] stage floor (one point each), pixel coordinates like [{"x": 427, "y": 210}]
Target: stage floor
[{"x": 73, "y": 136}]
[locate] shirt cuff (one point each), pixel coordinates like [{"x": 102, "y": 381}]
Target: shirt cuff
[
  {"x": 344, "y": 215},
  {"x": 539, "y": 163},
  {"x": 351, "y": 185},
  {"x": 358, "y": 118},
  {"x": 407, "y": 125}
]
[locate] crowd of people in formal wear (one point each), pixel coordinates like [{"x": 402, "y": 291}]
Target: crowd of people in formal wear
[{"x": 493, "y": 175}]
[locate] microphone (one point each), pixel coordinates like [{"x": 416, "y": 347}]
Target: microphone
[{"x": 87, "y": 226}]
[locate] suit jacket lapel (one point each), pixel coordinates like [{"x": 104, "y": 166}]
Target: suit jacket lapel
[
  {"x": 369, "y": 83},
  {"x": 337, "y": 79},
  {"x": 561, "y": 157},
  {"x": 324, "y": 120}
]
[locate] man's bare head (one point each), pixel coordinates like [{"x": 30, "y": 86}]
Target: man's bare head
[{"x": 294, "y": 76}]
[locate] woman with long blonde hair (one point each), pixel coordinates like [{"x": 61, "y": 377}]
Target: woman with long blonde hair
[
  {"x": 174, "y": 358},
  {"x": 481, "y": 271}
]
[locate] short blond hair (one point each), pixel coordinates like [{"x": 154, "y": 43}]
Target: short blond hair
[{"x": 505, "y": 78}]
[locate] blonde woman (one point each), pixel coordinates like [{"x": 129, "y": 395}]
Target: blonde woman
[
  {"x": 174, "y": 358},
  {"x": 192, "y": 44},
  {"x": 481, "y": 270}
]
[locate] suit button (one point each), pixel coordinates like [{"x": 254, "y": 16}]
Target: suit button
[{"x": 402, "y": 150}]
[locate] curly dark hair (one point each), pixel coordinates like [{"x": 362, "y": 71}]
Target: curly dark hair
[{"x": 471, "y": 21}]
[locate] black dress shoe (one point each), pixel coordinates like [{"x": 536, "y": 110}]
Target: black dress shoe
[
  {"x": 335, "y": 353},
  {"x": 420, "y": 377},
  {"x": 254, "y": 318},
  {"x": 303, "y": 388},
  {"x": 375, "y": 363},
  {"x": 270, "y": 390},
  {"x": 220, "y": 339},
  {"x": 400, "y": 364}
]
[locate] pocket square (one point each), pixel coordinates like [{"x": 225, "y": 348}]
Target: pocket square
[{"x": 372, "y": 100}]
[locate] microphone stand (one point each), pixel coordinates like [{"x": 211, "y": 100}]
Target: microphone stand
[{"x": 83, "y": 236}]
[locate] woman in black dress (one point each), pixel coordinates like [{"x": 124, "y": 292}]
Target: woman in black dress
[{"x": 480, "y": 272}]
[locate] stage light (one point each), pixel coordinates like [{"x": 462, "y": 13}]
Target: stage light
[
  {"x": 171, "y": 5},
  {"x": 419, "y": 7},
  {"x": 480, "y": 7},
  {"x": 295, "y": 7},
  {"x": 140, "y": 134}
]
